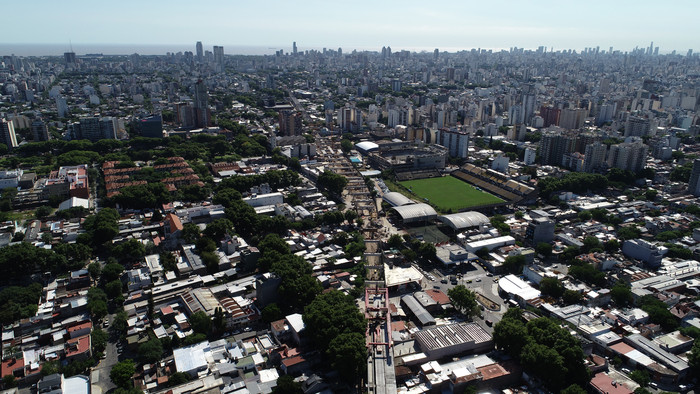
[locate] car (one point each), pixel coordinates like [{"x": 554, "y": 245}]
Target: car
[
  {"x": 469, "y": 281},
  {"x": 443, "y": 281},
  {"x": 436, "y": 287},
  {"x": 489, "y": 274},
  {"x": 478, "y": 279},
  {"x": 489, "y": 322}
]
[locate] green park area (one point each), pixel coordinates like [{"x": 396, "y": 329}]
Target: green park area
[{"x": 448, "y": 194}]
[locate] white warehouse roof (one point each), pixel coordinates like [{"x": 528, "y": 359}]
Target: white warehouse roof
[
  {"x": 416, "y": 212},
  {"x": 515, "y": 286},
  {"x": 366, "y": 146},
  {"x": 463, "y": 220},
  {"x": 396, "y": 199}
]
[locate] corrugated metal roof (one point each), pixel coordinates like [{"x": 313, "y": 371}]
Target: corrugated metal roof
[
  {"x": 417, "y": 309},
  {"x": 416, "y": 211},
  {"x": 396, "y": 199},
  {"x": 464, "y": 219}
]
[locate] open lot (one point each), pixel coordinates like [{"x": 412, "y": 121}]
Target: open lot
[{"x": 449, "y": 193}]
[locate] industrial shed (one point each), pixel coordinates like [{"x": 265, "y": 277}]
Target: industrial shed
[
  {"x": 463, "y": 220},
  {"x": 423, "y": 316},
  {"x": 396, "y": 199},
  {"x": 416, "y": 213}
]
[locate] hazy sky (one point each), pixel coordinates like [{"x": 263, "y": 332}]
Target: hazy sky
[{"x": 405, "y": 24}]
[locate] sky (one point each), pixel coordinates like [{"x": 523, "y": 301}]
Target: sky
[{"x": 263, "y": 26}]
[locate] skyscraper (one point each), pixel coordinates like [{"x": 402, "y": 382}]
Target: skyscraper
[
  {"x": 294, "y": 47},
  {"x": 694, "y": 182},
  {"x": 7, "y": 133},
  {"x": 219, "y": 57},
  {"x": 200, "y": 52},
  {"x": 201, "y": 104}
]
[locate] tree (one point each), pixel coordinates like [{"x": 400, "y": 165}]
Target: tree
[
  {"x": 122, "y": 372},
  {"x": 346, "y": 146},
  {"x": 612, "y": 246},
  {"x": 200, "y": 322},
  {"x": 544, "y": 248},
  {"x": 552, "y": 287},
  {"x": 694, "y": 356},
  {"x": 574, "y": 389},
  {"x": 97, "y": 303},
  {"x": 129, "y": 251},
  {"x": 151, "y": 351},
  {"x": 510, "y": 335},
  {"x": 218, "y": 228},
  {"x": 168, "y": 261},
  {"x": 514, "y": 264},
  {"x": 49, "y": 368},
  {"x": 334, "y": 183},
  {"x": 114, "y": 288},
  {"x": 287, "y": 385},
  {"x": 112, "y": 271},
  {"x": 621, "y": 294},
  {"x": 8, "y": 381},
  {"x": 190, "y": 232},
  {"x": 273, "y": 242},
  {"x": 571, "y": 297},
  {"x": 395, "y": 241},
  {"x": 641, "y": 377},
  {"x": 348, "y": 355},
  {"x": 464, "y": 300},
  {"x": 43, "y": 212},
  {"x": 99, "y": 339},
  {"x": 331, "y": 314},
  {"x": 178, "y": 378},
  {"x": 271, "y": 313},
  {"x": 94, "y": 269}
]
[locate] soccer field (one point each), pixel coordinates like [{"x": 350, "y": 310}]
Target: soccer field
[{"x": 449, "y": 193}]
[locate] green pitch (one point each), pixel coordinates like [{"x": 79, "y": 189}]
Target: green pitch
[{"x": 449, "y": 193}]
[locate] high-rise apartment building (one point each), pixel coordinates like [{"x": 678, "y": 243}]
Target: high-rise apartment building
[
  {"x": 349, "y": 118},
  {"x": 290, "y": 122},
  {"x": 637, "y": 126},
  {"x": 7, "y": 133},
  {"x": 631, "y": 156},
  {"x": 151, "y": 127},
  {"x": 550, "y": 115},
  {"x": 595, "y": 157},
  {"x": 61, "y": 107},
  {"x": 694, "y": 182},
  {"x": 40, "y": 131},
  {"x": 554, "y": 145},
  {"x": 219, "y": 57},
  {"x": 69, "y": 58},
  {"x": 456, "y": 142},
  {"x": 202, "y": 115},
  {"x": 572, "y": 118},
  {"x": 94, "y": 128}
]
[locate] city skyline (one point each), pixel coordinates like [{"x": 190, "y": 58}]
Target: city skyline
[{"x": 413, "y": 26}]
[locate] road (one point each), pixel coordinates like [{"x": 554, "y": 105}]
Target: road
[{"x": 100, "y": 373}]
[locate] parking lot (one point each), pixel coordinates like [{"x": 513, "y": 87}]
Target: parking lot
[{"x": 474, "y": 277}]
